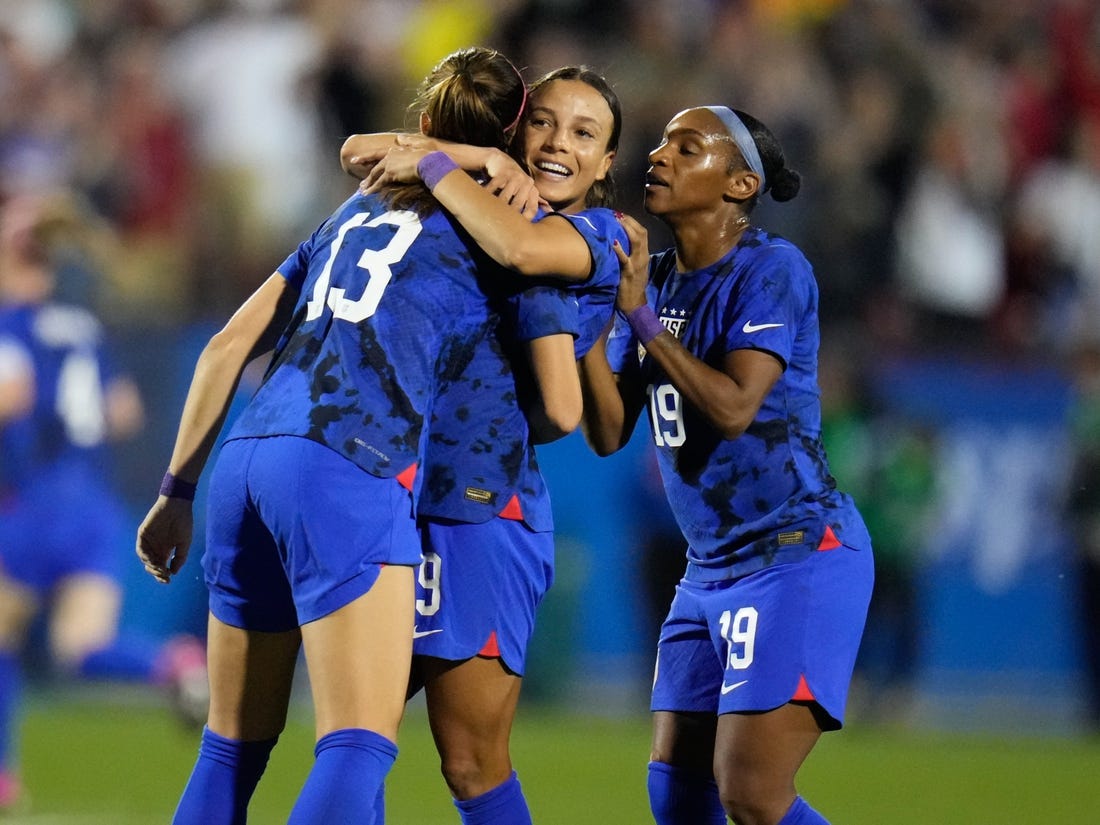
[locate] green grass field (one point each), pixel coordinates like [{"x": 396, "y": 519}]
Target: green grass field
[{"x": 88, "y": 761}]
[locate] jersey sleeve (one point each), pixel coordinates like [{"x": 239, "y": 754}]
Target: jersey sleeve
[
  {"x": 296, "y": 266},
  {"x": 767, "y": 315},
  {"x": 596, "y": 296},
  {"x": 545, "y": 310},
  {"x": 622, "y": 345}
]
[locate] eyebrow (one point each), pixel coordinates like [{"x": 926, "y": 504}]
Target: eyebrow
[
  {"x": 686, "y": 131},
  {"x": 581, "y": 118}
]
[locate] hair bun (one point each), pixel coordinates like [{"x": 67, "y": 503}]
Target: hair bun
[{"x": 785, "y": 184}]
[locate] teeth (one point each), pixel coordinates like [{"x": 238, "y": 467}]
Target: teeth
[{"x": 553, "y": 168}]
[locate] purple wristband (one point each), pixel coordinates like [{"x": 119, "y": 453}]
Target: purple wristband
[
  {"x": 177, "y": 488},
  {"x": 645, "y": 323},
  {"x": 433, "y": 166}
]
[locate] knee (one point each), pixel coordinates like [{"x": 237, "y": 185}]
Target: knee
[
  {"x": 470, "y": 772},
  {"x": 752, "y": 803}
]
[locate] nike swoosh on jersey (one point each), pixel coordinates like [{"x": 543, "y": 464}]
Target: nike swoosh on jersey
[
  {"x": 750, "y": 327},
  {"x": 729, "y": 688},
  {"x": 420, "y": 634}
]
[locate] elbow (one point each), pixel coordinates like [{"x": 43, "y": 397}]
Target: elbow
[
  {"x": 224, "y": 351},
  {"x": 564, "y": 414},
  {"x": 602, "y": 450},
  {"x": 517, "y": 257},
  {"x": 347, "y": 152},
  {"x": 601, "y": 447},
  {"x": 601, "y": 440},
  {"x": 731, "y": 425},
  {"x": 522, "y": 252}
]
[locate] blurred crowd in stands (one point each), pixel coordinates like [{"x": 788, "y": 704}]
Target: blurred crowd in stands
[{"x": 951, "y": 148}]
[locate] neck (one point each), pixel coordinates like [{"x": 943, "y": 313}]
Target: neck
[{"x": 704, "y": 240}]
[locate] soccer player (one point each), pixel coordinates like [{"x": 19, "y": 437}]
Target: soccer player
[
  {"x": 312, "y": 538},
  {"x": 62, "y": 527},
  {"x": 756, "y": 654},
  {"x": 485, "y": 513}
]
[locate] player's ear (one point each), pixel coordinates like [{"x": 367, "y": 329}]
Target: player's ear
[{"x": 425, "y": 123}]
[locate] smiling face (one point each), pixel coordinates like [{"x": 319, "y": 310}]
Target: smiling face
[
  {"x": 693, "y": 167},
  {"x": 566, "y": 132}
]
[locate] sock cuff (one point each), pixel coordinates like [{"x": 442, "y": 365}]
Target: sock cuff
[
  {"x": 682, "y": 775},
  {"x": 505, "y": 788},
  {"x": 800, "y": 813},
  {"x": 230, "y": 751},
  {"x": 360, "y": 738}
]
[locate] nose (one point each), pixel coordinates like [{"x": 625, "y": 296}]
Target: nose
[
  {"x": 556, "y": 138},
  {"x": 657, "y": 156}
]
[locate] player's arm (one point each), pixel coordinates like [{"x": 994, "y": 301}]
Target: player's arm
[
  {"x": 729, "y": 397},
  {"x": 611, "y": 402},
  {"x": 253, "y": 329},
  {"x": 165, "y": 535},
  {"x": 559, "y": 392},
  {"x": 550, "y": 247},
  {"x": 360, "y": 153}
]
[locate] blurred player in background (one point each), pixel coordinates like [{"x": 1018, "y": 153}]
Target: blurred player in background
[
  {"x": 485, "y": 515},
  {"x": 312, "y": 535},
  {"x": 720, "y": 337},
  {"x": 63, "y": 531}
]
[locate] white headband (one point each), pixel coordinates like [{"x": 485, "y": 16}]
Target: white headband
[{"x": 743, "y": 138}]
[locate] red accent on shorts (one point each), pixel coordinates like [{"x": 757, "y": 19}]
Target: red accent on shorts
[
  {"x": 512, "y": 510},
  {"x": 407, "y": 477},
  {"x": 802, "y": 693},
  {"x": 490, "y": 649},
  {"x": 829, "y": 541}
]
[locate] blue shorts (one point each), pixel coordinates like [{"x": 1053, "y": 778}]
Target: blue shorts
[
  {"x": 478, "y": 589},
  {"x": 296, "y": 531},
  {"x": 788, "y": 632},
  {"x": 64, "y": 524}
]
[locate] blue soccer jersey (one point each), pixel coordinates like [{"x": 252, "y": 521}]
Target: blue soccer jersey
[
  {"x": 62, "y": 347},
  {"x": 58, "y": 515},
  {"x": 596, "y": 296},
  {"x": 479, "y": 459},
  {"x": 767, "y": 496},
  {"x": 389, "y": 302}
]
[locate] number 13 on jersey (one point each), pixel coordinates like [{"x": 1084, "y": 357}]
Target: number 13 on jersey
[{"x": 376, "y": 262}]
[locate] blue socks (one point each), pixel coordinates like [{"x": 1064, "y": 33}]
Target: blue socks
[
  {"x": 222, "y": 781},
  {"x": 679, "y": 797},
  {"x": 800, "y": 813},
  {"x": 127, "y": 659},
  {"x": 11, "y": 690},
  {"x": 344, "y": 784},
  {"x": 504, "y": 803}
]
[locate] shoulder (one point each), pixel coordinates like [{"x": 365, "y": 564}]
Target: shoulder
[
  {"x": 766, "y": 249},
  {"x": 596, "y": 222}
]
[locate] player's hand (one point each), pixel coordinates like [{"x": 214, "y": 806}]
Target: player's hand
[
  {"x": 164, "y": 537},
  {"x": 397, "y": 166},
  {"x": 361, "y": 165},
  {"x": 633, "y": 268},
  {"x": 515, "y": 187}
]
